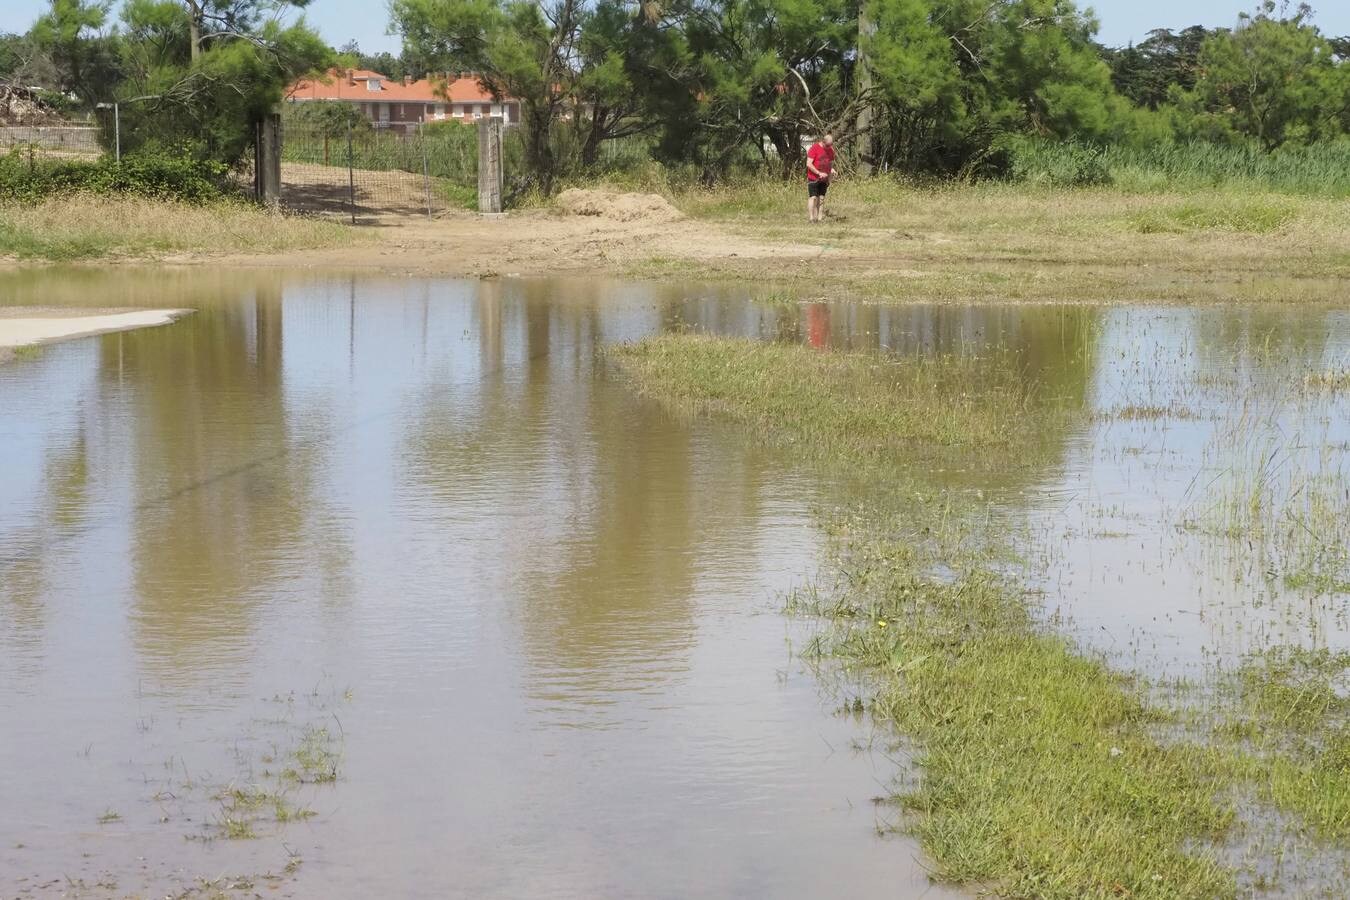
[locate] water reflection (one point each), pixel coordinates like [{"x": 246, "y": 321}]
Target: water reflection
[{"x": 554, "y": 603}]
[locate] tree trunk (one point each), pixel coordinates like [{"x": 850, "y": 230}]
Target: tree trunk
[
  {"x": 590, "y": 150},
  {"x": 538, "y": 147},
  {"x": 864, "y": 88},
  {"x": 788, "y": 143}
]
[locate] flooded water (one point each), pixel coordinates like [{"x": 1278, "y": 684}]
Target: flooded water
[{"x": 351, "y": 587}]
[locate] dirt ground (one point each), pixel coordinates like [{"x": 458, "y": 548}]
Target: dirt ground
[{"x": 587, "y": 232}]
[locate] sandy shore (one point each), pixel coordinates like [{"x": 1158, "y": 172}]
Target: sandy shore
[{"x": 26, "y": 326}]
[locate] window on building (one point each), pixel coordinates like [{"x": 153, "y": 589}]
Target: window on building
[{"x": 372, "y": 84}]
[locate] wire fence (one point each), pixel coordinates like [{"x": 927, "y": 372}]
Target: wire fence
[
  {"x": 360, "y": 171},
  {"x": 354, "y": 170},
  {"x": 51, "y": 141}
]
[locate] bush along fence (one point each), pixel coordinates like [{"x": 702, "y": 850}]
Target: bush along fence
[{"x": 347, "y": 168}]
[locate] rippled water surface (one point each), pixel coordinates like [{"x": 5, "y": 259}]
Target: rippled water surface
[{"x": 396, "y": 561}]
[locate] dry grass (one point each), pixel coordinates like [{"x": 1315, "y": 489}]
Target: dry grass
[
  {"x": 996, "y": 242},
  {"x": 84, "y": 227}
]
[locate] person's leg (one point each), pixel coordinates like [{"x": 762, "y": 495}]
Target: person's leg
[{"x": 810, "y": 204}]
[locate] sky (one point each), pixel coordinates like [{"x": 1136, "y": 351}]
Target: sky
[{"x": 1122, "y": 21}]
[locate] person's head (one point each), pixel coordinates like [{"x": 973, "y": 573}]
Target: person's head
[{"x": 827, "y": 139}]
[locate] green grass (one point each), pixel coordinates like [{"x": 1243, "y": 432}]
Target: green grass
[
  {"x": 1233, "y": 214},
  {"x": 93, "y": 227},
  {"x": 1318, "y": 170},
  {"x": 1286, "y": 503},
  {"x": 1040, "y": 771},
  {"x": 865, "y": 405}
]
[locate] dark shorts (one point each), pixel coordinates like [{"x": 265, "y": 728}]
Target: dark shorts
[{"x": 817, "y": 188}]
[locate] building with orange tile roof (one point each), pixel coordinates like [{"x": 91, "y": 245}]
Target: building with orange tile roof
[{"x": 404, "y": 105}]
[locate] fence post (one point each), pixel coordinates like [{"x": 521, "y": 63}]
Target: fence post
[
  {"x": 426, "y": 168},
  {"x": 490, "y": 165},
  {"x": 351, "y": 175},
  {"x": 117, "y": 131},
  {"x": 267, "y": 159}
]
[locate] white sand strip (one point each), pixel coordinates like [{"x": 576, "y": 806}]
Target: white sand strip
[{"x": 21, "y": 331}]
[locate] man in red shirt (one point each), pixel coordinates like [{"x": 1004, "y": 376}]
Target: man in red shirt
[{"x": 819, "y": 167}]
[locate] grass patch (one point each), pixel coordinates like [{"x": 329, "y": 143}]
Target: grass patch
[
  {"x": 92, "y": 227},
  {"x": 1331, "y": 380},
  {"x": 1287, "y": 504},
  {"x": 1041, "y": 772},
  {"x": 1234, "y": 215},
  {"x": 864, "y": 405},
  {"x": 888, "y": 240},
  {"x": 1148, "y": 413},
  {"x": 317, "y": 758}
]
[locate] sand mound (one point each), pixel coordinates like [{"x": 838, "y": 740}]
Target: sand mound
[{"x": 617, "y": 207}]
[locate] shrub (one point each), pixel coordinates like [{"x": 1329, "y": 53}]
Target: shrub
[
  {"x": 1066, "y": 164},
  {"x": 154, "y": 176}
]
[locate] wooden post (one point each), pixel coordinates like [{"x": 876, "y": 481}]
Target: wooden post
[
  {"x": 267, "y": 160},
  {"x": 426, "y": 170},
  {"x": 490, "y": 165}
]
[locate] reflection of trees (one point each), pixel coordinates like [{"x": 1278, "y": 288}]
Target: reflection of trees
[
  {"x": 61, "y": 507},
  {"x": 595, "y": 510},
  {"x": 221, "y": 493},
  {"x": 603, "y": 505}
]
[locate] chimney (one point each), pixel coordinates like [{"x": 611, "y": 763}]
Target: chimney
[
  {"x": 407, "y": 80},
  {"x": 351, "y": 78}
]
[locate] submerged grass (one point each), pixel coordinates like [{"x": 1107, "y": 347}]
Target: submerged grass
[
  {"x": 92, "y": 227},
  {"x": 865, "y": 405},
  {"x": 1041, "y": 771}
]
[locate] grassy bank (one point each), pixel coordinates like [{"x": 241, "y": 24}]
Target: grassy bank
[
  {"x": 1041, "y": 771},
  {"x": 993, "y": 242},
  {"x": 86, "y": 226}
]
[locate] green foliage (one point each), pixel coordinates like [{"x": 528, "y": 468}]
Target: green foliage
[
  {"x": 1147, "y": 74},
  {"x": 200, "y": 96},
  {"x": 328, "y": 119},
  {"x": 1274, "y": 80},
  {"x": 1321, "y": 169},
  {"x": 154, "y": 176},
  {"x": 83, "y": 58},
  {"x": 965, "y": 88},
  {"x": 1063, "y": 164},
  {"x": 518, "y": 48}
]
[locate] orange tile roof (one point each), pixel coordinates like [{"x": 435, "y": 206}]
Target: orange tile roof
[{"x": 339, "y": 85}]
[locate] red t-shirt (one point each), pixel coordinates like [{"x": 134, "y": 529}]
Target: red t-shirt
[{"x": 822, "y": 158}]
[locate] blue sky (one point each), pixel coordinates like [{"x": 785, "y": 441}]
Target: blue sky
[{"x": 1122, "y": 20}]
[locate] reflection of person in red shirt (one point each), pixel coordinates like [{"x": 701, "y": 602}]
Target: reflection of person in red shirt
[
  {"x": 818, "y": 325},
  {"x": 819, "y": 170}
]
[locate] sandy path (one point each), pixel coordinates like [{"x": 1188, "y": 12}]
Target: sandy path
[{"x": 20, "y": 327}]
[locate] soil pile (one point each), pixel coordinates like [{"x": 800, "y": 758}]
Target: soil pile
[
  {"x": 617, "y": 207},
  {"x": 20, "y": 106}
]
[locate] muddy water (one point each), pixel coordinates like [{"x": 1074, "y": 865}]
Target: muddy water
[
  {"x": 395, "y": 562},
  {"x": 401, "y": 531}
]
